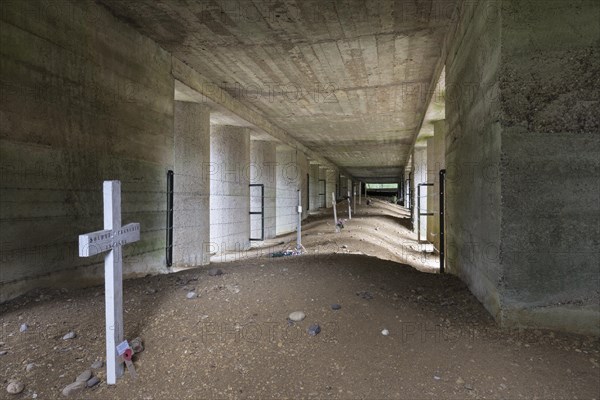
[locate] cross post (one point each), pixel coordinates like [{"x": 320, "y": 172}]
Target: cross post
[{"x": 111, "y": 239}]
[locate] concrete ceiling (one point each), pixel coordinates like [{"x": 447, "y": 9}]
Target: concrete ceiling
[{"x": 348, "y": 79}]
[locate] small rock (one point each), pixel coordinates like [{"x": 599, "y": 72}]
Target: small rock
[
  {"x": 314, "y": 330},
  {"x": 30, "y": 367},
  {"x": 23, "y": 328},
  {"x": 191, "y": 295},
  {"x": 459, "y": 381},
  {"x": 468, "y": 386},
  {"x": 15, "y": 387},
  {"x": 84, "y": 376},
  {"x": 215, "y": 272},
  {"x": 3, "y": 353},
  {"x": 344, "y": 246},
  {"x": 70, "y": 335},
  {"x": 437, "y": 378},
  {"x": 73, "y": 388},
  {"x": 297, "y": 316},
  {"x": 97, "y": 364},
  {"x": 335, "y": 306},
  {"x": 93, "y": 381},
  {"x": 385, "y": 332}
]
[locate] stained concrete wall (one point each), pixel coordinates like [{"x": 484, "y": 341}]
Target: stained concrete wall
[
  {"x": 191, "y": 208},
  {"x": 263, "y": 171},
  {"x": 85, "y": 98},
  {"x": 229, "y": 188},
  {"x": 314, "y": 187},
  {"x": 521, "y": 153}
]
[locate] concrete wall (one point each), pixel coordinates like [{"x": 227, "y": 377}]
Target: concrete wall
[
  {"x": 229, "y": 190},
  {"x": 191, "y": 214},
  {"x": 263, "y": 171},
  {"x": 84, "y": 99}
]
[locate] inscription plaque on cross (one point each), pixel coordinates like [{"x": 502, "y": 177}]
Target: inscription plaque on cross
[{"x": 110, "y": 240}]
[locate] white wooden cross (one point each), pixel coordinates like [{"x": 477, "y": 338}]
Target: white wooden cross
[{"x": 111, "y": 239}]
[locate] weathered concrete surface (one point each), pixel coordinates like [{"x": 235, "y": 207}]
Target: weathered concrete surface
[
  {"x": 84, "y": 99},
  {"x": 229, "y": 188},
  {"x": 521, "y": 154},
  {"x": 350, "y": 82},
  {"x": 263, "y": 171},
  {"x": 550, "y": 69},
  {"x": 191, "y": 213},
  {"x": 292, "y": 167}
]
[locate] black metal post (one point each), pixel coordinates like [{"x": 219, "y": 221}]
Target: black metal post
[
  {"x": 170, "y": 190},
  {"x": 442, "y": 220},
  {"x": 261, "y": 212}
]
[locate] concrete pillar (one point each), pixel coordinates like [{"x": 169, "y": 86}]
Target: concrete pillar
[
  {"x": 191, "y": 214},
  {"x": 420, "y": 176},
  {"x": 263, "y": 171},
  {"x": 436, "y": 160},
  {"x": 408, "y": 185},
  {"x": 289, "y": 179},
  {"x": 313, "y": 187},
  {"x": 229, "y": 190},
  {"x": 331, "y": 177}
]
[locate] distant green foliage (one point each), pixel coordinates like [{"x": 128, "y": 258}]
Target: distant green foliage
[{"x": 382, "y": 186}]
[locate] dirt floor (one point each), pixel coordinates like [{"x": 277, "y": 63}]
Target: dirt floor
[{"x": 234, "y": 340}]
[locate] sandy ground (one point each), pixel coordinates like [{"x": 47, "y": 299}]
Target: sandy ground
[{"x": 234, "y": 340}]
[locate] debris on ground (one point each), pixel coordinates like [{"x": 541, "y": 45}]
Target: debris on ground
[
  {"x": 215, "y": 272},
  {"x": 336, "y": 306},
  {"x": 314, "y": 330},
  {"x": 365, "y": 295},
  {"x": 137, "y": 345}
]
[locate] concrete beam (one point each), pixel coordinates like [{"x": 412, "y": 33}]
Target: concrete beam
[{"x": 217, "y": 96}]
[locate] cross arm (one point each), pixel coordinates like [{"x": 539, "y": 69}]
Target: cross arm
[{"x": 100, "y": 241}]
